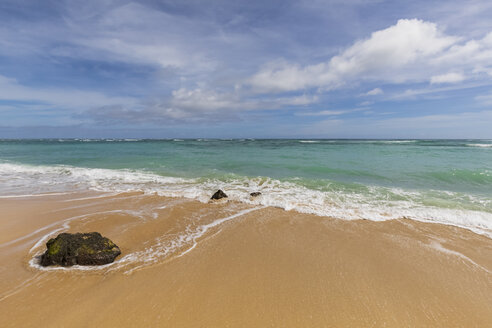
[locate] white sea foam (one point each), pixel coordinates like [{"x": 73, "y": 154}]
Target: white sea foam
[
  {"x": 372, "y": 203},
  {"x": 376, "y": 141},
  {"x": 396, "y": 141},
  {"x": 161, "y": 248},
  {"x": 480, "y": 145},
  {"x": 165, "y": 246},
  {"x": 438, "y": 246},
  {"x": 309, "y": 141},
  {"x": 34, "y": 263},
  {"x": 105, "y": 195},
  {"x": 20, "y": 287},
  {"x": 64, "y": 225},
  {"x": 35, "y": 195}
]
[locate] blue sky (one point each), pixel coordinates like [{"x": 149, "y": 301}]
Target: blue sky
[{"x": 310, "y": 69}]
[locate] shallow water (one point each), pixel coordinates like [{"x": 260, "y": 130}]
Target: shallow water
[{"x": 446, "y": 181}]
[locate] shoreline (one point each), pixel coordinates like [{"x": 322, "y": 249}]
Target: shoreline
[
  {"x": 325, "y": 198},
  {"x": 249, "y": 267}
]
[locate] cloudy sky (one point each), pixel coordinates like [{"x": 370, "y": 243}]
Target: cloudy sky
[{"x": 192, "y": 68}]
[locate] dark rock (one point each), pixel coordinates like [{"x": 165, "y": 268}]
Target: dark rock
[
  {"x": 219, "y": 194},
  {"x": 68, "y": 249},
  {"x": 255, "y": 194}
]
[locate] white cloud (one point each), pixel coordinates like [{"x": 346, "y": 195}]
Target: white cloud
[
  {"x": 392, "y": 48},
  {"x": 431, "y": 92},
  {"x": 374, "y": 92},
  {"x": 331, "y": 112},
  {"x": 302, "y": 100},
  {"x": 323, "y": 113},
  {"x": 203, "y": 100},
  {"x": 281, "y": 76},
  {"x": 410, "y": 51},
  {"x": 209, "y": 100},
  {"x": 195, "y": 105},
  {"x": 183, "y": 50},
  {"x": 136, "y": 33},
  {"x": 115, "y": 31},
  {"x": 381, "y": 57},
  {"x": 447, "y": 78}
]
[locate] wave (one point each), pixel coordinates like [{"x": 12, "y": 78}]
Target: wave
[
  {"x": 96, "y": 140},
  {"x": 480, "y": 145},
  {"x": 356, "y": 142},
  {"x": 333, "y": 199},
  {"x": 469, "y": 177},
  {"x": 397, "y": 141}
]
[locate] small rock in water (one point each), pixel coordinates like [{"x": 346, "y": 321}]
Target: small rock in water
[
  {"x": 219, "y": 194},
  {"x": 255, "y": 194},
  {"x": 69, "y": 249}
]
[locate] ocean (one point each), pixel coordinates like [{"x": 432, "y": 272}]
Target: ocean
[{"x": 441, "y": 181}]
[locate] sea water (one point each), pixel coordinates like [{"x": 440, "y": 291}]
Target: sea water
[{"x": 442, "y": 181}]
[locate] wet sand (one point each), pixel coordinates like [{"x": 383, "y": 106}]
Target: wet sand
[{"x": 226, "y": 264}]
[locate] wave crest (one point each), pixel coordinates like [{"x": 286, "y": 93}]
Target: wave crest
[{"x": 337, "y": 200}]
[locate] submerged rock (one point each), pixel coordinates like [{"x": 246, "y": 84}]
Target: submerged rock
[
  {"x": 219, "y": 194},
  {"x": 69, "y": 249},
  {"x": 255, "y": 194}
]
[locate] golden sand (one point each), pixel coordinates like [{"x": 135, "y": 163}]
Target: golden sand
[{"x": 190, "y": 264}]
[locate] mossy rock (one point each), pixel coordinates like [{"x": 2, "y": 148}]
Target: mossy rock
[{"x": 69, "y": 249}]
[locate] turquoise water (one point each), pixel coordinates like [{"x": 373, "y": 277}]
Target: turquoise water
[{"x": 448, "y": 181}]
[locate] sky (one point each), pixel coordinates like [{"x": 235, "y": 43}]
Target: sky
[{"x": 245, "y": 69}]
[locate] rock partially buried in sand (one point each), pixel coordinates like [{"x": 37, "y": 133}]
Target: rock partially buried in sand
[
  {"x": 255, "y": 194},
  {"x": 219, "y": 194},
  {"x": 79, "y": 248}
]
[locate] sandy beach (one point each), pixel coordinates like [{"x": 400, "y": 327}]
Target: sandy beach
[
  {"x": 223, "y": 164},
  {"x": 228, "y": 264}
]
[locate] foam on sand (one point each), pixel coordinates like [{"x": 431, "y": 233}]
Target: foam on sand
[
  {"x": 164, "y": 247},
  {"x": 367, "y": 202}
]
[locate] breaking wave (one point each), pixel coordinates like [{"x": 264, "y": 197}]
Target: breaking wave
[{"x": 326, "y": 198}]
